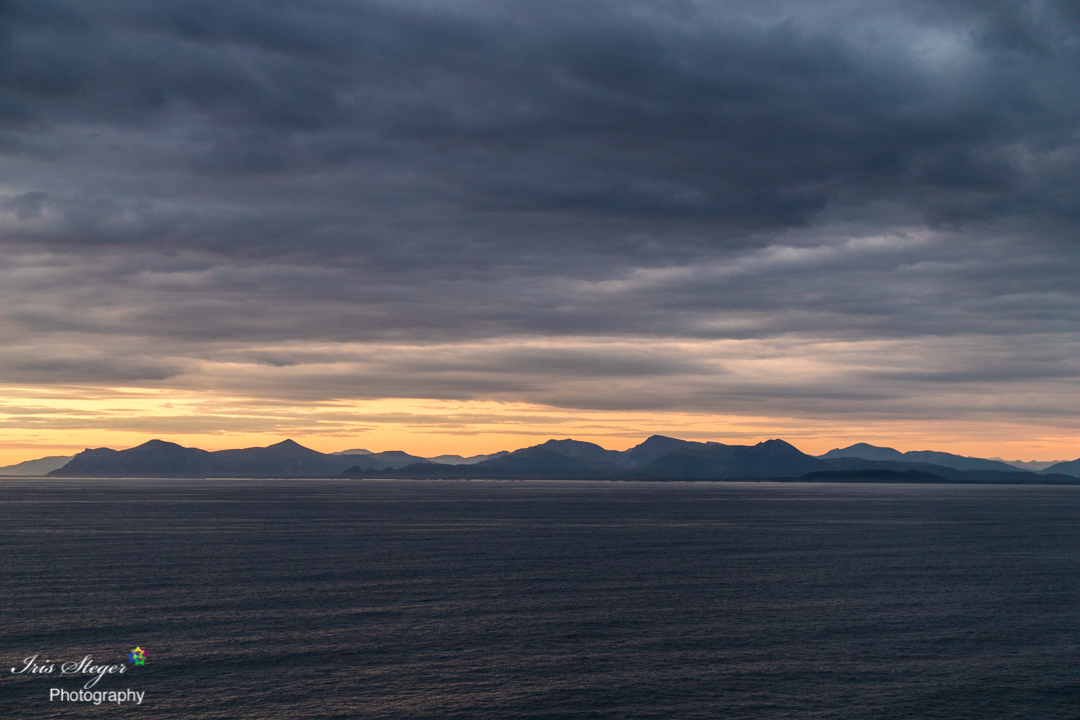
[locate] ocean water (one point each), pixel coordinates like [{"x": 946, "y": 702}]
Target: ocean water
[{"x": 272, "y": 599}]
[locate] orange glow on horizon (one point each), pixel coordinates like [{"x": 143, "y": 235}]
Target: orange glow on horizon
[{"x": 64, "y": 420}]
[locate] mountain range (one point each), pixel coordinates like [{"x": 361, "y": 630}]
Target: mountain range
[
  {"x": 31, "y": 468},
  {"x": 657, "y": 458}
]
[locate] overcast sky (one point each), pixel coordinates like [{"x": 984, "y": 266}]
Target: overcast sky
[{"x": 804, "y": 219}]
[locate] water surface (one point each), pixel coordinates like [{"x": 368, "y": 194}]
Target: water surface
[{"x": 400, "y": 599}]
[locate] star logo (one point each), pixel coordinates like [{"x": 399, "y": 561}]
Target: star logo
[{"x": 137, "y": 656}]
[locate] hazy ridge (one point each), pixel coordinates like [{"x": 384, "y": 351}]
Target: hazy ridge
[{"x": 657, "y": 458}]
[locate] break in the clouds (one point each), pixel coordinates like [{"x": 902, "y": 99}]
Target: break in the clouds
[{"x": 799, "y": 209}]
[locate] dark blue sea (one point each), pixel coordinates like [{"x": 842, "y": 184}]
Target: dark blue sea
[{"x": 270, "y": 599}]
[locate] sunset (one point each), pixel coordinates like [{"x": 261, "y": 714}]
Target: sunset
[
  {"x": 409, "y": 226},
  {"x": 533, "y": 358},
  {"x": 63, "y": 420}
]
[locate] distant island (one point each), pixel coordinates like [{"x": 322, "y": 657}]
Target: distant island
[{"x": 657, "y": 459}]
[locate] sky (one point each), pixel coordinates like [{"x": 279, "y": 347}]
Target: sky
[{"x": 472, "y": 226}]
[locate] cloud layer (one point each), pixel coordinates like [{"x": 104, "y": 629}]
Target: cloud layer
[{"x": 793, "y": 209}]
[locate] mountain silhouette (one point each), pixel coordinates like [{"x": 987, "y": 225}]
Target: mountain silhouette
[
  {"x": 462, "y": 460},
  {"x": 35, "y": 468},
  {"x": 534, "y": 463},
  {"x": 1072, "y": 467},
  {"x": 158, "y": 458},
  {"x": 382, "y": 460},
  {"x": 579, "y": 449},
  {"x": 155, "y": 458},
  {"x": 284, "y": 459},
  {"x": 657, "y": 458},
  {"x": 943, "y": 459},
  {"x": 772, "y": 458},
  {"x": 655, "y": 447}
]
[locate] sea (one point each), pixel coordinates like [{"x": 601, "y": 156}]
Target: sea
[{"x": 312, "y": 599}]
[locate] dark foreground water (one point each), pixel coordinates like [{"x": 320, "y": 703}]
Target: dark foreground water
[{"x": 397, "y": 599}]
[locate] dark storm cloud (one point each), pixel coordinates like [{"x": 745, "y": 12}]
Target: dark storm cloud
[
  {"x": 662, "y": 110},
  {"x": 191, "y": 183}
]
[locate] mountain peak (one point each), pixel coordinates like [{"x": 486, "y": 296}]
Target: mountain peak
[
  {"x": 158, "y": 443},
  {"x": 651, "y": 449},
  {"x": 157, "y": 446},
  {"x": 776, "y": 446},
  {"x": 579, "y": 449},
  {"x": 865, "y": 451},
  {"x": 290, "y": 448}
]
